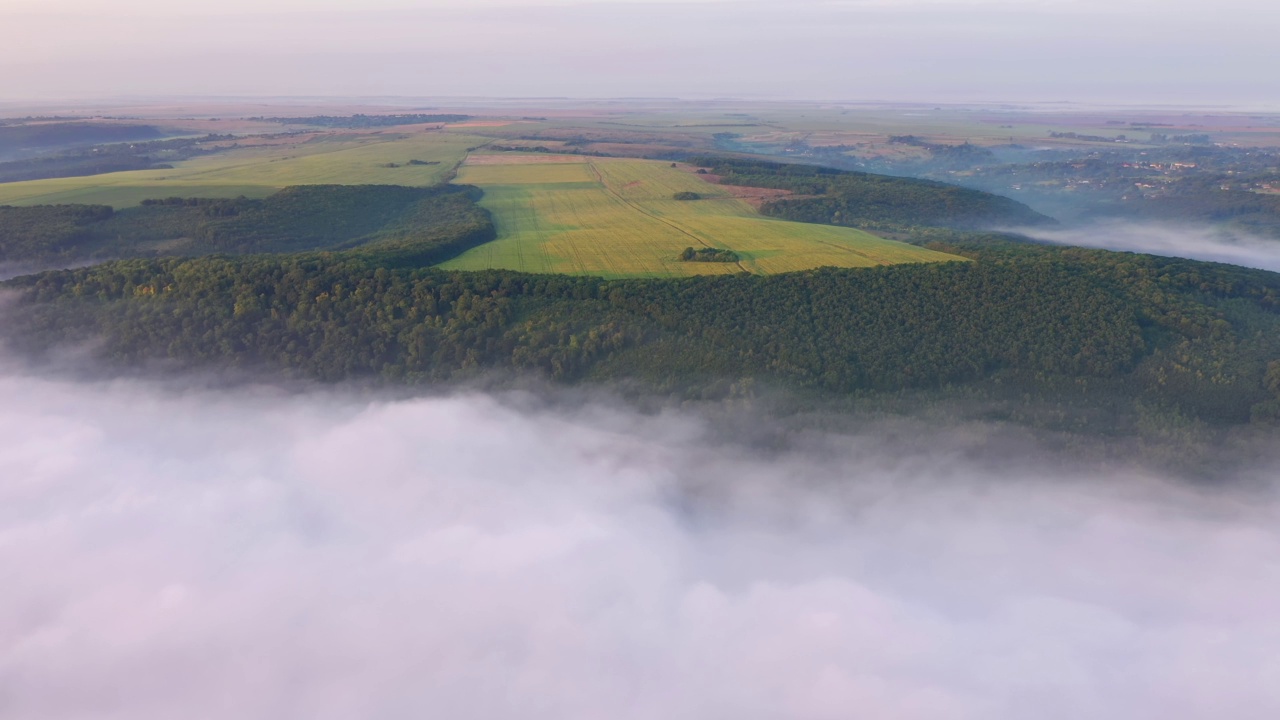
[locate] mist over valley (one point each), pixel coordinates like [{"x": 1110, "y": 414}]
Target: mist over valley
[{"x": 258, "y": 553}]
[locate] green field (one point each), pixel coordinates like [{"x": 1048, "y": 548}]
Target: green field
[
  {"x": 611, "y": 217},
  {"x": 617, "y": 218},
  {"x": 351, "y": 159}
]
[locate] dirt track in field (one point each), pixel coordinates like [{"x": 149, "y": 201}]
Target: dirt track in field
[{"x": 519, "y": 159}]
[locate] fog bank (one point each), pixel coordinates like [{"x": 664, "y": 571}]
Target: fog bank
[
  {"x": 255, "y": 554},
  {"x": 1195, "y": 243}
]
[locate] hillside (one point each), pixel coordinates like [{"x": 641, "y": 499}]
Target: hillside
[
  {"x": 260, "y": 167},
  {"x": 622, "y": 218},
  {"x": 305, "y": 218},
  {"x": 1101, "y": 342},
  {"x": 19, "y": 139},
  {"x": 858, "y": 199}
]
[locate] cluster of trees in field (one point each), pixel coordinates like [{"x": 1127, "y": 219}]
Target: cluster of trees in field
[
  {"x": 708, "y": 254},
  {"x": 359, "y": 121},
  {"x": 1195, "y": 339},
  {"x": 1189, "y": 139},
  {"x": 412, "y": 163},
  {"x": 856, "y": 199},
  {"x": 393, "y": 223},
  {"x": 117, "y": 157}
]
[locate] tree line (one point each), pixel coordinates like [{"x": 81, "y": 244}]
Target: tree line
[
  {"x": 386, "y": 223},
  {"x": 1198, "y": 339},
  {"x": 857, "y": 199}
]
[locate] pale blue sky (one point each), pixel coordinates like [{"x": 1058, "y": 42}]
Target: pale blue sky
[{"x": 947, "y": 50}]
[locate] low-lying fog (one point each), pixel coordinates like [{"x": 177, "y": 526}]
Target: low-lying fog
[
  {"x": 255, "y": 554},
  {"x": 1173, "y": 240}
]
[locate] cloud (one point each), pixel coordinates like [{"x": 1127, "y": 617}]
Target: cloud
[
  {"x": 256, "y": 553},
  {"x": 1196, "y": 243}
]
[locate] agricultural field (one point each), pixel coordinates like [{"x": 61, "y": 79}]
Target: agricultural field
[
  {"x": 258, "y": 171},
  {"x": 618, "y": 218}
]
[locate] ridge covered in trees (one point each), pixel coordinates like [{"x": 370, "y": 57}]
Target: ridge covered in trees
[
  {"x": 858, "y": 199},
  {"x": 109, "y": 158},
  {"x": 1136, "y": 334},
  {"x": 393, "y": 224},
  {"x": 31, "y": 136}
]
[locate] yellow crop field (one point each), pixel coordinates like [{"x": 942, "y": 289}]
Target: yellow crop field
[
  {"x": 618, "y": 218},
  {"x": 354, "y": 159}
]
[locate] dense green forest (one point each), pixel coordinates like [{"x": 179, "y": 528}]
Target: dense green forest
[
  {"x": 397, "y": 225},
  {"x": 857, "y": 199},
  {"x": 1071, "y": 329}
]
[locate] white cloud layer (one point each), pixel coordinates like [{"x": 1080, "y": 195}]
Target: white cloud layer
[{"x": 254, "y": 554}]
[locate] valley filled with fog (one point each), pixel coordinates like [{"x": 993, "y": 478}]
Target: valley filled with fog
[
  {"x": 1192, "y": 241},
  {"x": 178, "y": 550}
]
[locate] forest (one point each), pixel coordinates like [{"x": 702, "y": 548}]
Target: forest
[
  {"x": 387, "y": 221},
  {"x": 109, "y": 158},
  {"x": 39, "y": 135},
  {"x": 1070, "y": 329},
  {"x": 857, "y": 199}
]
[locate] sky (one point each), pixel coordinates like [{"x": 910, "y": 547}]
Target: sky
[{"x": 1123, "y": 51}]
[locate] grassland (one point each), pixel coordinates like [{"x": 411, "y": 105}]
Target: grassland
[
  {"x": 612, "y": 217},
  {"x": 345, "y": 159},
  {"x": 617, "y": 218}
]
